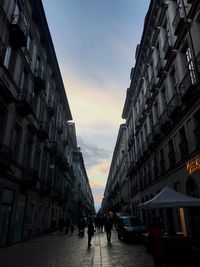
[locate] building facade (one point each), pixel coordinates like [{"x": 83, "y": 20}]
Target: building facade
[
  {"x": 117, "y": 194},
  {"x": 37, "y": 139},
  {"x": 162, "y": 112}
]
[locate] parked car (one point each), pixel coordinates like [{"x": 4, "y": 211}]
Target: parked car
[{"x": 130, "y": 227}]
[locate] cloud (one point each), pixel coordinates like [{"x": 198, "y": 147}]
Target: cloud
[
  {"x": 93, "y": 155},
  {"x": 98, "y": 198}
]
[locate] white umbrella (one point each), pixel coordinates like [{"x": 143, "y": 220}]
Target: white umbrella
[{"x": 168, "y": 198}]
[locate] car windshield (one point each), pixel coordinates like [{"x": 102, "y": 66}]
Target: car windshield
[{"x": 131, "y": 221}]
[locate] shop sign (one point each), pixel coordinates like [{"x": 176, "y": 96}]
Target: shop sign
[{"x": 193, "y": 165}]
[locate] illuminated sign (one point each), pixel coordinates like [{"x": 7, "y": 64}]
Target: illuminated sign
[{"x": 193, "y": 165}]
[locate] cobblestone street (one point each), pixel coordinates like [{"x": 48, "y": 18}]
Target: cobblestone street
[{"x": 65, "y": 251}]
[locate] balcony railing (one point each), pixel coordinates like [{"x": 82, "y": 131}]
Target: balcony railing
[
  {"x": 18, "y": 31},
  {"x": 40, "y": 80},
  {"x": 24, "y": 102},
  {"x": 43, "y": 131},
  {"x": 178, "y": 20},
  {"x": 5, "y": 157}
]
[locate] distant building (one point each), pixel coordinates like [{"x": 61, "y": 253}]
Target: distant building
[
  {"x": 162, "y": 112},
  {"x": 37, "y": 139}
]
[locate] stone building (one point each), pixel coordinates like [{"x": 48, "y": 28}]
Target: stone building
[
  {"x": 162, "y": 112},
  {"x": 37, "y": 139}
]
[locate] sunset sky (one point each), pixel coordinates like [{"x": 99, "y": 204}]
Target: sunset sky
[{"x": 95, "y": 42}]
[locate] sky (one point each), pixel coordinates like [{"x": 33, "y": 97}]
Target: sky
[{"x": 95, "y": 43}]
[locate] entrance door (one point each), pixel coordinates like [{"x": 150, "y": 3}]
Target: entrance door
[
  {"x": 5, "y": 215},
  {"x": 19, "y": 218}
]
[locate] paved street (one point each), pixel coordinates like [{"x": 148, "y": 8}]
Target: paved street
[{"x": 65, "y": 251}]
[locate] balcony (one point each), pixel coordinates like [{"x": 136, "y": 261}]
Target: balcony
[
  {"x": 24, "y": 102},
  {"x": 159, "y": 68},
  {"x": 17, "y": 31},
  {"x": 43, "y": 131},
  {"x": 40, "y": 80},
  {"x": 30, "y": 177},
  {"x": 51, "y": 107},
  {"x": 52, "y": 148},
  {"x": 187, "y": 85},
  {"x": 167, "y": 48},
  {"x": 179, "y": 20},
  {"x": 5, "y": 157},
  {"x": 184, "y": 150}
]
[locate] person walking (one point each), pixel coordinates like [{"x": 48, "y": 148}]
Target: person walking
[
  {"x": 90, "y": 232},
  {"x": 108, "y": 227}
]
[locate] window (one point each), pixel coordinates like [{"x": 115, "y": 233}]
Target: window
[
  {"x": 164, "y": 96},
  {"x": 16, "y": 142},
  {"x": 173, "y": 80},
  {"x": 37, "y": 160},
  {"x": 167, "y": 33},
  {"x": 156, "y": 112},
  {"x": 171, "y": 153},
  {"x": 3, "y": 118},
  {"x": 24, "y": 79},
  {"x": 28, "y": 153},
  {"x": 190, "y": 65},
  {"x": 162, "y": 161},
  {"x": 44, "y": 167},
  {"x": 183, "y": 145}
]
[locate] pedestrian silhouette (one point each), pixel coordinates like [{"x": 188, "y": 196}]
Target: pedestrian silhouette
[
  {"x": 90, "y": 232},
  {"x": 108, "y": 227}
]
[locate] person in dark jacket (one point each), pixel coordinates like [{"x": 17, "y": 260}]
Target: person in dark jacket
[
  {"x": 90, "y": 231},
  {"x": 108, "y": 227}
]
